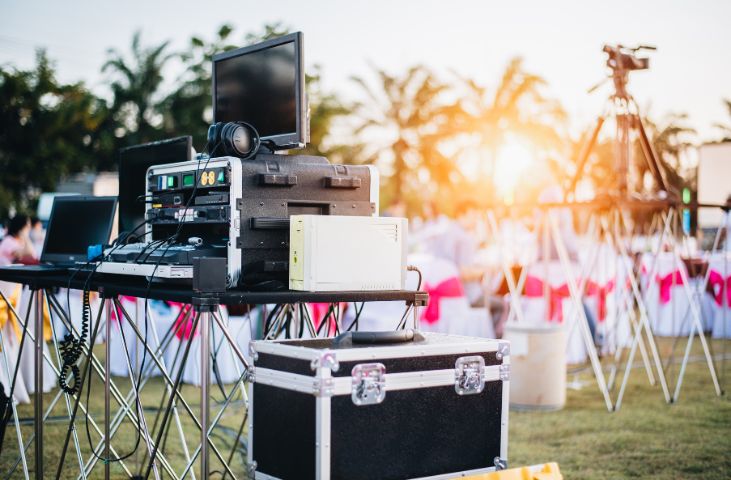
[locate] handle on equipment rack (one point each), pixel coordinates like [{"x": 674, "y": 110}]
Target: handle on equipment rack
[
  {"x": 378, "y": 338},
  {"x": 270, "y": 223}
]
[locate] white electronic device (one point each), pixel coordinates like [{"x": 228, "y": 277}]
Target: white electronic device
[{"x": 347, "y": 253}]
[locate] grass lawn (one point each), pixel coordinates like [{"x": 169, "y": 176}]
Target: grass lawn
[{"x": 645, "y": 439}]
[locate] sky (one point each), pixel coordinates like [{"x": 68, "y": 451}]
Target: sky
[{"x": 559, "y": 39}]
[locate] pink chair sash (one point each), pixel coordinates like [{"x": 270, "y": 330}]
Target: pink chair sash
[
  {"x": 534, "y": 288},
  {"x": 666, "y": 283},
  {"x": 601, "y": 292},
  {"x": 449, "y": 288},
  {"x": 716, "y": 281}
]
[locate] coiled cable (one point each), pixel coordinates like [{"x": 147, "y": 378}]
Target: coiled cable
[{"x": 70, "y": 349}]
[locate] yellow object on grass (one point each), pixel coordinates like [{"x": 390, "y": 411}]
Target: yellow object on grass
[
  {"x": 6, "y": 315},
  {"x": 547, "y": 471}
]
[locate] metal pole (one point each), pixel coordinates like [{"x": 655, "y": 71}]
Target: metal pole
[
  {"x": 12, "y": 378},
  {"x": 107, "y": 378},
  {"x": 205, "y": 384},
  {"x": 38, "y": 413},
  {"x": 582, "y": 320}
]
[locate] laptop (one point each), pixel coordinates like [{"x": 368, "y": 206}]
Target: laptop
[{"x": 76, "y": 222}]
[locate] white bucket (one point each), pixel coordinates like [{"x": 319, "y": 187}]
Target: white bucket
[{"x": 537, "y": 366}]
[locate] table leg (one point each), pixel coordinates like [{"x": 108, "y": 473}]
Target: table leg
[
  {"x": 205, "y": 387},
  {"x": 107, "y": 378},
  {"x": 38, "y": 414}
]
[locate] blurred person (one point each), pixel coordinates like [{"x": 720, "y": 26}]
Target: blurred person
[
  {"x": 456, "y": 241},
  {"x": 16, "y": 247},
  {"x": 37, "y": 235}
]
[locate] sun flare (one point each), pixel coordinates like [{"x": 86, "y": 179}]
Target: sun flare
[{"x": 512, "y": 161}]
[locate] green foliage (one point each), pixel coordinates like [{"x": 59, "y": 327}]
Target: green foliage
[
  {"x": 48, "y": 130},
  {"x": 187, "y": 110},
  {"x": 409, "y": 111},
  {"x": 135, "y": 84},
  {"x": 423, "y": 116},
  {"x": 414, "y": 125}
]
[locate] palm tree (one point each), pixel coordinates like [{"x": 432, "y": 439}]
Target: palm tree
[
  {"x": 407, "y": 121},
  {"x": 671, "y": 137},
  {"x": 725, "y": 128},
  {"x": 135, "y": 85},
  {"x": 187, "y": 110},
  {"x": 516, "y": 108}
]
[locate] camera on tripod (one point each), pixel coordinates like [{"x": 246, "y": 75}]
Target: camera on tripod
[{"x": 623, "y": 58}]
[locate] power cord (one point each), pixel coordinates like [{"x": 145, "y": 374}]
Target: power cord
[{"x": 413, "y": 268}]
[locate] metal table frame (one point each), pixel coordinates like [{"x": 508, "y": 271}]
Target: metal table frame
[{"x": 204, "y": 311}]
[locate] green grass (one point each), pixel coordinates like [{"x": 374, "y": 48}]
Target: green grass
[{"x": 645, "y": 439}]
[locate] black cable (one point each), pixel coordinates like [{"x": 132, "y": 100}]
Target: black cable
[
  {"x": 151, "y": 279},
  {"x": 72, "y": 346},
  {"x": 270, "y": 318},
  {"x": 168, "y": 408},
  {"x": 70, "y": 350},
  {"x": 301, "y": 332},
  {"x": 87, "y": 370},
  {"x": 357, "y": 316},
  {"x": 325, "y": 320},
  {"x": 92, "y": 342},
  {"x": 402, "y": 323}
]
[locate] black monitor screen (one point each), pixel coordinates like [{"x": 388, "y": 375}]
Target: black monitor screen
[
  {"x": 133, "y": 165},
  {"x": 76, "y": 223},
  {"x": 260, "y": 88}
]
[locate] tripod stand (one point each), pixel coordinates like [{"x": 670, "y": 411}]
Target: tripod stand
[{"x": 622, "y": 106}]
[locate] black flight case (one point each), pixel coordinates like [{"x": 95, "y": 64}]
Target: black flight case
[{"x": 378, "y": 405}]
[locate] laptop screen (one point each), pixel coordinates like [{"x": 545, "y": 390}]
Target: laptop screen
[{"x": 77, "y": 222}]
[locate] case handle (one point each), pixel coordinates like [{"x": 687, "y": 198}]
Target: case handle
[{"x": 377, "y": 338}]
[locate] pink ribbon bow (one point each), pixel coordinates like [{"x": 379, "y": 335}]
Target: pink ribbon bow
[
  {"x": 601, "y": 292},
  {"x": 717, "y": 283},
  {"x": 534, "y": 288},
  {"x": 449, "y": 288},
  {"x": 666, "y": 283}
]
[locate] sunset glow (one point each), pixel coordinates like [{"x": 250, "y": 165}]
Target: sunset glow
[{"x": 512, "y": 162}]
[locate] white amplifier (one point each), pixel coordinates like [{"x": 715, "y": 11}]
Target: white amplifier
[{"x": 346, "y": 253}]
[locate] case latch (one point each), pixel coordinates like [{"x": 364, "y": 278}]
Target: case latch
[
  {"x": 369, "y": 383},
  {"x": 469, "y": 375}
]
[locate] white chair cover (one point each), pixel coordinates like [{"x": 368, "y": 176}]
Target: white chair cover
[
  {"x": 558, "y": 309},
  {"x": 11, "y": 349},
  {"x": 449, "y": 310},
  {"x": 719, "y": 303},
  {"x": 160, "y": 318},
  {"x": 668, "y": 305},
  {"x": 226, "y": 364}
]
